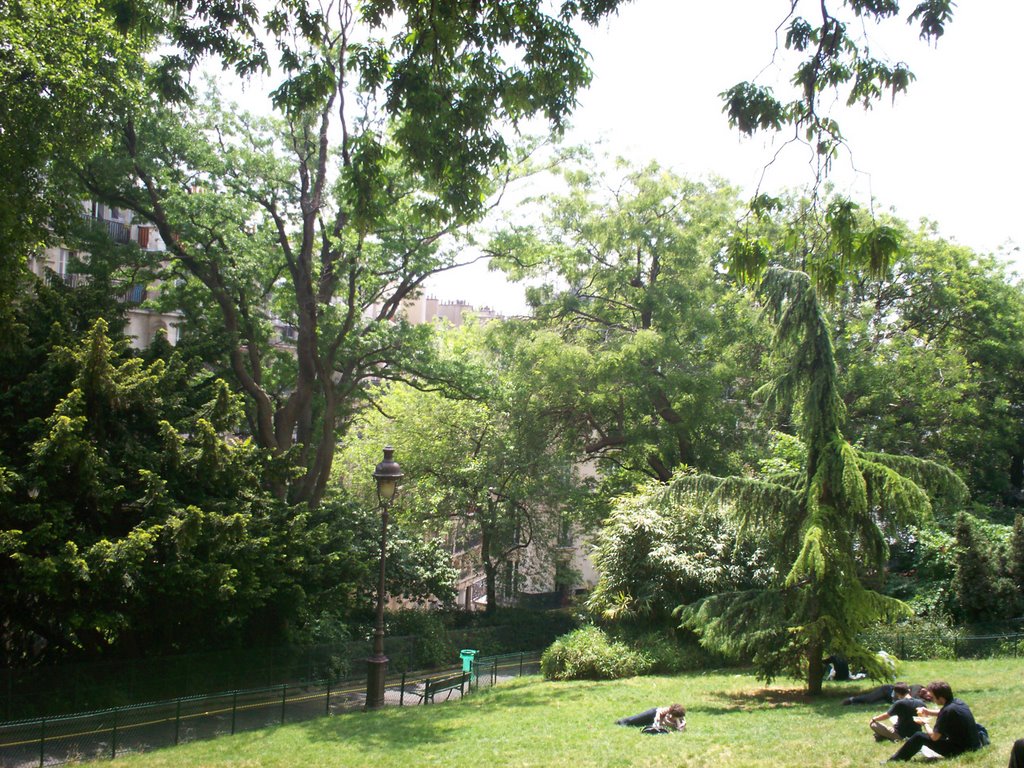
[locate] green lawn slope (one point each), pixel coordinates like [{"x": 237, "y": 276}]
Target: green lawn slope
[{"x": 733, "y": 721}]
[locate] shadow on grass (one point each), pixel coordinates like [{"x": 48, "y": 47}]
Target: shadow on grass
[
  {"x": 414, "y": 728},
  {"x": 824, "y": 704}
]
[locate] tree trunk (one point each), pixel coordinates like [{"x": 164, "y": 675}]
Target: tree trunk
[
  {"x": 1017, "y": 470},
  {"x": 815, "y": 668}
]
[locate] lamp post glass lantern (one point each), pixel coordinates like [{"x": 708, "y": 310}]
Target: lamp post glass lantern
[{"x": 387, "y": 476}]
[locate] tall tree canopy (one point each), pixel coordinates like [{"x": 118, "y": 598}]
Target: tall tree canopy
[
  {"x": 393, "y": 123},
  {"x": 324, "y": 220},
  {"x": 623, "y": 275},
  {"x": 487, "y": 467},
  {"x": 932, "y": 354},
  {"x": 65, "y": 73},
  {"x": 928, "y": 333}
]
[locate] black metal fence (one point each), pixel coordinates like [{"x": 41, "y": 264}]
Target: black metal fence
[
  {"x": 142, "y": 727},
  {"x": 919, "y": 646},
  {"x": 69, "y": 688}
]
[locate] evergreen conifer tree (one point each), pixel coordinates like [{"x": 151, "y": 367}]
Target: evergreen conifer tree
[
  {"x": 829, "y": 524},
  {"x": 982, "y": 593}
]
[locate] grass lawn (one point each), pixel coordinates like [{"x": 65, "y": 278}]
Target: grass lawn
[{"x": 732, "y": 721}]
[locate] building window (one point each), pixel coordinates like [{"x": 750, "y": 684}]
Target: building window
[{"x": 66, "y": 262}]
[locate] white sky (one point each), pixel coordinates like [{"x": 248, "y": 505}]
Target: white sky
[{"x": 949, "y": 150}]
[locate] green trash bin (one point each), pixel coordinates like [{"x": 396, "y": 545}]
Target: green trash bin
[{"x": 468, "y": 655}]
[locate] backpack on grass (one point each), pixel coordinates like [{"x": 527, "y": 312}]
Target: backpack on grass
[{"x": 983, "y": 735}]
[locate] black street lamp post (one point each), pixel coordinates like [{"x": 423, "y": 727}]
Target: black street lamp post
[{"x": 387, "y": 475}]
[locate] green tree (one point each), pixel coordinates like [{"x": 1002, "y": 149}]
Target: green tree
[
  {"x": 53, "y": 113},
  {"x": 931, "y": 355},
  {"x": 828, "y": 522},
  {"x": 982, "y": 592},
  {"x": 927, "y": 350},
  {"x": 133, "y": 522},
  {"x": 482, "y": 467},
  {"x": 623, "y": 278},
  {"x": 326, "y": 219}
]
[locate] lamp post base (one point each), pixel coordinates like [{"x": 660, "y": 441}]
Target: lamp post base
[{"x": 376, "y": 669}]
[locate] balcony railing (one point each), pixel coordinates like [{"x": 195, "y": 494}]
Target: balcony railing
[
  {"x": 136, "y": 294},
  {"x": 118, "y": 232},
  {"x": 74, "y": 279},
  {"x": 70, "y": 279}
]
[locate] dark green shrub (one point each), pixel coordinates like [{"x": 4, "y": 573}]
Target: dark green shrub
[
  {"x": 433, "y": 647},
  {"x": 588, "y": 654},
  {"x": 678, "y": 652},
  {"x": 508, "y": 630}
]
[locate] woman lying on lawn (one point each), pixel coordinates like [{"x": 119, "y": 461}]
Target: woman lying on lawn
[{"x": 658, "y": 719}]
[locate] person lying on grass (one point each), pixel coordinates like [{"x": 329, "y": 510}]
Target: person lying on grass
[
  {"x": 885, "y": 693},
  {"x": 658, "y": 720}
]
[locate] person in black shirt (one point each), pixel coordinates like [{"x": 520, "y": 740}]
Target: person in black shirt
[
  {"x": 1017, "y": 754},
  {"x": 954, "y": 733},
  {"x": 903, "y": 711},
  {"x": 838, "y": 668}
]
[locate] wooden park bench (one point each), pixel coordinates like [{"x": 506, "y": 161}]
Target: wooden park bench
[{"x": 445, "y": 685}]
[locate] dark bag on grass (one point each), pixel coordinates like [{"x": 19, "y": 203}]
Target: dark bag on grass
[{"x": 983, "y": 735}]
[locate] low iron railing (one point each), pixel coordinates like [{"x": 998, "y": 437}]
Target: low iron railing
[{"x": 143, "y": 727}]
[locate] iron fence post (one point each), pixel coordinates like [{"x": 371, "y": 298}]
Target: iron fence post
[
  {"x": 234, "y": 710},
  {"x": 42, "y": 742},
  {"x": 177, "y": 721},
  {"x": 284, "y": 699},
  {"x": 327, "y": 703},
  {"x": 521, "y": 657},
  {"x": 401, "y": 692},
  {"x": 113, "y": 737}
]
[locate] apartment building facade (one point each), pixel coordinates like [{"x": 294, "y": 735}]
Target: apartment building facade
[{"x": 142, "y": 320}]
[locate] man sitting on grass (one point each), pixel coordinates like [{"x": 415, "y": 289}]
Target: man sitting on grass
[
  {"x": 954, "y": 732},
  {"x": 903, "y": 711}
]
